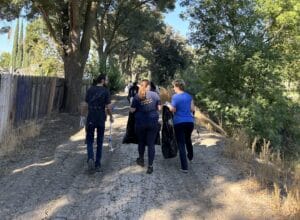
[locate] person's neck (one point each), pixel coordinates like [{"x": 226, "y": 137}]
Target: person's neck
[
  {"x": 99, "y": 84},
  {"x": 179, "y": 91}
]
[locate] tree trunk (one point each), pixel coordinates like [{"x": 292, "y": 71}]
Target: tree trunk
[
  {"x": 102, "y": 56},
  {"x": 74, "y": 67}
]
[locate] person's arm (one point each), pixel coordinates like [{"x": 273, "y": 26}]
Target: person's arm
[
  {"x": 109, "y": 112},
  {"x": 172, "y": 105},
  {"x": 192, "y": 106},
  {"x": 158, "y": 103},
  {"x": 108, "y": 107}
]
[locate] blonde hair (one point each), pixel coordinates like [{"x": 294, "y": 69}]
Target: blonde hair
[
  {"x": 179, "y": 83},
  {"x": 143, "y": 88}
]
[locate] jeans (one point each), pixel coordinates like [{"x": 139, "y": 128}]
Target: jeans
[
  {"x": 90, "y": 130},
  {"x": 183, "y": 133},
  {"x": 146, "y": 135}
]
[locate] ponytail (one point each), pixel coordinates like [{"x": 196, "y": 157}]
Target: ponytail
[{"x": 143, "y": 89}]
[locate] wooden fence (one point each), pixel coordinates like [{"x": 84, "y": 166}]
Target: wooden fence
[{"x": 24, "y": 98}]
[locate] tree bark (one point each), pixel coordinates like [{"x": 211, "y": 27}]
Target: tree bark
[
  {"x": 73, "y": 67},
  {"x": 75, "y": 50}
]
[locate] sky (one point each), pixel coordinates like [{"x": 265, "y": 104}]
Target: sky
[{"x": 171, "y": 18}]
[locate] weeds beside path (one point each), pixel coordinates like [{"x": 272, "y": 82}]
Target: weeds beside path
[{"x": 48, "y": 179}]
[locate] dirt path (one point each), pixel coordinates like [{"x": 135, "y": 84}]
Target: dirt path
[{"x": 48, "y": 180}]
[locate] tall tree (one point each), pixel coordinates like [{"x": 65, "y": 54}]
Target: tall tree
[
  {"x": 168, "y": 55},
  {"x": 14, "y": 53},
  {"x": 123, "y": 21},
  {"x": 19, "y": 61},
  {"x": 70, "y": 24}
]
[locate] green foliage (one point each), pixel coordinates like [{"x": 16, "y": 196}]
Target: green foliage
[
  {"x": 247, "y": 55},
  {"x": 19, "y": 61},
  {"x": 14, "y": 53},
  {"x": 116, "y": 81},
  {"x": 94, "y": 69},
  {"x": 168, "y": 56},
  {"x": 5, "y": 60},
  {"x": 40, "y": 57}
]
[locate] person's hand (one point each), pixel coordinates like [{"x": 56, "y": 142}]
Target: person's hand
[
  {"x": 82, "y": 121},
  {"x": 168, "y": 104}
]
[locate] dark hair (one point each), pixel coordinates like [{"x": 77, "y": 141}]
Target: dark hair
[
  {"x": 179, "y": 83},
  {"x": 99, "y": 79},
  {"x": 135, "y": 84},
  {"x": 153, "y": 87}
]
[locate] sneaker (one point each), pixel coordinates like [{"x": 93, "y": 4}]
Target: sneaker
[
  {"x": 140, "y": 162},
  {"x": 184, "y": 171},
  {"x": 90, "y": 165},
  {"x": 98, "y": 169},
  {"x": 149, "y": 170}
]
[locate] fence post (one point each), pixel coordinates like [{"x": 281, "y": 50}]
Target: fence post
[{"x": 51, "y": 95}]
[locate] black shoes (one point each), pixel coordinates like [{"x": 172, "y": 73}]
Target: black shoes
[
  {"x": 91, "y": 165},
  {"x": 184, "y": 171},
  {"x": 140, "y": 162},
  {"x": 98, "y": 169},
  {"x": 150, "y": 170}
]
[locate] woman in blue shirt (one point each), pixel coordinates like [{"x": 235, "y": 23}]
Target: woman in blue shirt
[
  {"x": 145, "y": 106},
  {"x": 183, "y": 107}
]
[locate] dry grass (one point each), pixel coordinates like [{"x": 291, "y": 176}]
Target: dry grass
[
  {"x": 14, "y": 137},
  {"x": 272, "y": 172},
  {"x": 235, "y": 148}
]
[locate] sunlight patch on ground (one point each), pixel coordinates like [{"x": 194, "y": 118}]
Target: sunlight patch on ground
[
  {"x": 170, "y": 211},
  {"x": 47, "y": 210},
  {"x": 154, "y": 214},
  {"x": 33, "y": 165},
  {"x": 78, "y": 136},
  {"x": 131, "y": 169}
]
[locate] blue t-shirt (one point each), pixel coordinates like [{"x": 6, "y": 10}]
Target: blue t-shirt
[
  {"x": 146, "y": 110},
  {"x": 182, "y": 103},
  {"x": 97, "y": 98}
]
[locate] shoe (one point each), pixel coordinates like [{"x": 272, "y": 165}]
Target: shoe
[
  {"x": 140, "y": 162},
  {"x": 98, "y": 169},
  {"x": 184, "y": 171},
  {"x": 149, "y": 170},
  {"x": 91, "y": 165}
]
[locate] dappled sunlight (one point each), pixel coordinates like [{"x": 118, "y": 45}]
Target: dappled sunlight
[
  {"x": 33, "y": 165},
  {"x": 154, "y": 214},
  {"x": 211, "y": 142},
  {"x": 80, "y": 135},
  {"x": 121, "y": 108},
  {"x": 170, "y": 210},
  {"x": 46, "y": 210},
  {"x": 112, "y": 203},
  {"x": 132, "y": 170}
]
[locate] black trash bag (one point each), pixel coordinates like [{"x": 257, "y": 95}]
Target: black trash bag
[
  {"x": 130, "y": 136},
  {"x": 169, "y": 144}
]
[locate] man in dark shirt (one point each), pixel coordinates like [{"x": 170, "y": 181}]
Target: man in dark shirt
[
  {"x": 98, "y": 99},
  {"x": 134, "y": 89}
]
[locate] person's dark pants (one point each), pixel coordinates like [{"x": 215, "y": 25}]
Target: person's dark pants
[
  {"x": 146, "y": 135},
  {"x": 90, "y": 130},
  {"x": 183, "y": 133}
]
